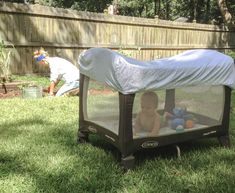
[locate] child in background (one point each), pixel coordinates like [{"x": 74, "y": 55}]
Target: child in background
[
  {"x": 148, "y": 120},
  {"x": 59, "y": 69}
]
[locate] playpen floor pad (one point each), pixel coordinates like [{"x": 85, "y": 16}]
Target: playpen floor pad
[{"x": 113, "y": 126}]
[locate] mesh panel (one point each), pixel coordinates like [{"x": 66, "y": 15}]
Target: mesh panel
[
  {"x": 176, "y": 111},
  {"x": 102, "y": 106},
  {"x": 207, "y": 101},
  {"x": 194, "y": 108},
  {"x": 145, "y": 117}
]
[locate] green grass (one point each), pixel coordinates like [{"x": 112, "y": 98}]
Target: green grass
[
  {"x": 39, "y": 80},
  {"x": 44, "y": 81},
  {"x": 34, "y": 79},
  {"x": 39, "y": 153}
]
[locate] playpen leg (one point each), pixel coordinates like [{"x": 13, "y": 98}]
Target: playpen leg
[
  {"x": 224, "y": 141},
  {"x": 178, "y": 151},
  {"x": 82, "y": 137},
  {"x": 128, "y": 162}
]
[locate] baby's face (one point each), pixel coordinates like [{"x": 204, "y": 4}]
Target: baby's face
[{"x": 147, "y": 107}]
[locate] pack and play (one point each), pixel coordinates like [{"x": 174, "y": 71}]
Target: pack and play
[{"x": 193, "y": 89}]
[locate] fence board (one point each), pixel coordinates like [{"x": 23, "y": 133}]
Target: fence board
[{"x": 67, "y": 33}]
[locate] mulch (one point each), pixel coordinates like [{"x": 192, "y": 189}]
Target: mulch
[
  {"x": 11, "y": 94},
  {"x": 11, "y": 89},
  {"x": 96, "y": 92}
]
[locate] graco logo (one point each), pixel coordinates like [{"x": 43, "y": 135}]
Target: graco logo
[
  {"x": 208, "y": 133},
  {"x": 110, "y": 137},
  {"x": 149, "y": 144}
]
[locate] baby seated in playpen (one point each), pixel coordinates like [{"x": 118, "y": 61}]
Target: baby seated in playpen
[{"x": 147, "y": 122}]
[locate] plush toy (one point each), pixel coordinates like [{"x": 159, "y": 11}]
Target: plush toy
[
  {"x": 179, "y": 119},
  {"x": 175, "y": 122}
]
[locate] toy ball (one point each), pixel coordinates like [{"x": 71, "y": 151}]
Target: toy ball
[
  {"x": 189, "y": 124},
  {"x": 179, "y": 128},
  {"x": 176, "y": 122}
]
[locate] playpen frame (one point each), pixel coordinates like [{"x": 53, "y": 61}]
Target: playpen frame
[{"x": 124, "y": 141}]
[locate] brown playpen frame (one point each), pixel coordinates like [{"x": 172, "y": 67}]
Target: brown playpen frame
[{"x": 124, "y": 141}]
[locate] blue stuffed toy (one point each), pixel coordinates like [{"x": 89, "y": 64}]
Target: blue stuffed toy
[{"x": 179, "y": 118}]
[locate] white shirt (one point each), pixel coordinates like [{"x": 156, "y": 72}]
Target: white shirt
[{"x": 62, "y": 69}]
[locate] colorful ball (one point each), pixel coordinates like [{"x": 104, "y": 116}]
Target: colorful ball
[
  {"x": 189, "y": 124},
  {"x": 179, "y": 128}
]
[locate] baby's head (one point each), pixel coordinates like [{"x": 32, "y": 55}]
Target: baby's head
[
  {"x": 39, "y": 55},
  {"x": 149, "y": 102}
]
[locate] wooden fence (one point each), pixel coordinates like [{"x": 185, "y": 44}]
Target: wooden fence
[{"x": 67, "y": 33}]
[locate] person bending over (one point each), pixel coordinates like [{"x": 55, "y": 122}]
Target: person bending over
[{"x": 60, "y": 69}]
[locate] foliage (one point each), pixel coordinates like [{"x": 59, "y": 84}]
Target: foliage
[
  {"x": 124, "y": 52},
  {"x": 232, "y": 54},
  {"x": 92, "y": 5},
  {"x": 139, "y": 8},
  {"x": 84, "y": 5},
  {"x": 204, "y": 11},
  {"x": 5, "y": 56}
]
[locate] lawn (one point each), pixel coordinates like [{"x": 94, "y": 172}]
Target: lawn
[{"x": 39, "y": 153}]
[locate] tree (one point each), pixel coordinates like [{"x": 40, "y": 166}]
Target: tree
[
  {"x": 138, "y": 8},
  {"x": 227, "y": 17},
  {"x": 91, "y": 5},
  {"x": 204, "y": 11}
]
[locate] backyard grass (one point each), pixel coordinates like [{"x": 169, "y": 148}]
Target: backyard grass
[{"x": 39, "y": 153}]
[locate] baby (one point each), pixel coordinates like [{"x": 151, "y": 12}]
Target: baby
[{"x": 148, "y": 120}]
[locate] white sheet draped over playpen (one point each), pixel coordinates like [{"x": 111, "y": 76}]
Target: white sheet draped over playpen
[{"x": 128, "y": 75}]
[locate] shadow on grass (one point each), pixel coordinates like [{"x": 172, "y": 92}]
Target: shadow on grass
[
  {"x": 85, "y": 168},
  {"x": 78, "y": 171},
  {"x": 10, "y": 129},
  {"x": 9, "y": 164},
  {"x": 91, "y": 167},
  {"x": 169, "y": 151},
  {"x": 166, "y": 152}
]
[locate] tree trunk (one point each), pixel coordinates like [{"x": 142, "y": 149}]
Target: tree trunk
[
  {"x": 227, "y": 17},
  {"x": 208, "y": 9},
  {"x": 159, "y": 7},
  {"x": 167, "y": 10},
  {"x": 155, "y": 7}
]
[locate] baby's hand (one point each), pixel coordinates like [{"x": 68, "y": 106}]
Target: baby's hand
[{"x": 167, "y": 115}]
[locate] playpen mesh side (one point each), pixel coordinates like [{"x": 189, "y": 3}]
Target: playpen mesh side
[
  {"x": 203, "y": 104},
  {"x": 202, "y": 107},
  {"x": 207, "y": 101},
  {"x": 101, "y": 106}
]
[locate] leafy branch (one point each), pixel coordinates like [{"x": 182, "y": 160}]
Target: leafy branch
[{"x": 5, "y": 56}]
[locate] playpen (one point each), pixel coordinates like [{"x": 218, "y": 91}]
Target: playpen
[{"x": 193, "y": 92}]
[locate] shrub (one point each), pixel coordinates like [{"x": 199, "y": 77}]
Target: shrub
[
  {"x": 5, "y": 55},
  {"x": 231, "y": 53}
]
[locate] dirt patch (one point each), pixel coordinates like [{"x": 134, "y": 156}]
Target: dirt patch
[
  {"x": 12, "y": 89},
  {"x": 10, "y": 94},
  {"x": 96, "y": 92}
]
